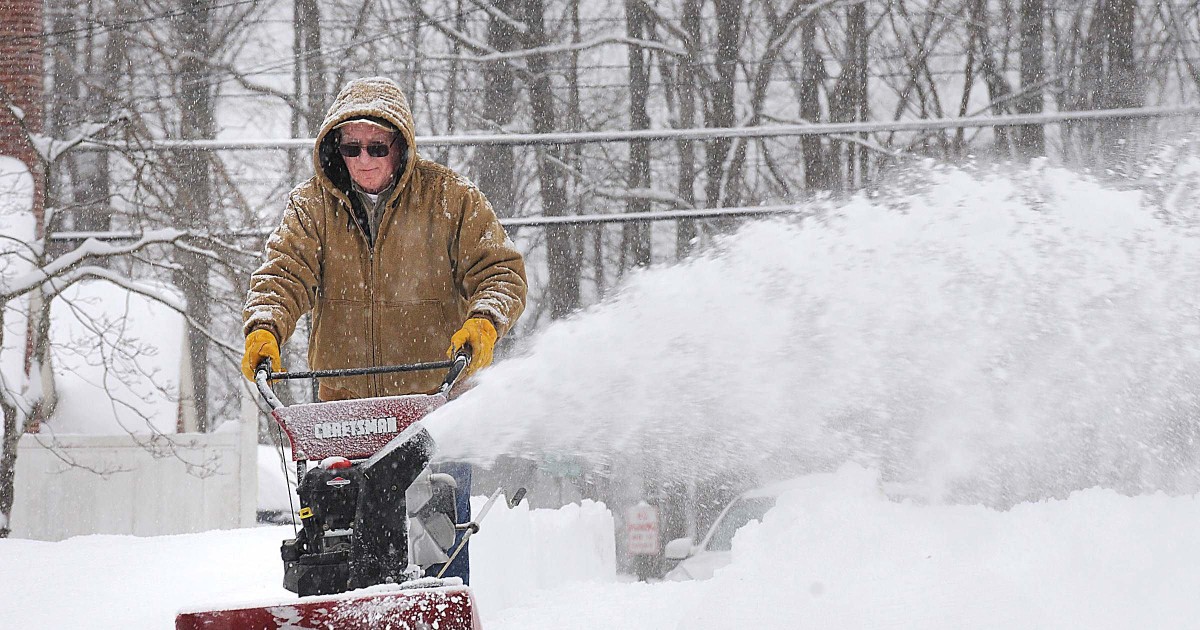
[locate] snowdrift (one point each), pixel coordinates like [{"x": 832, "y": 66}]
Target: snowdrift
[
  {"x": 840, "y": 555},
  {"x": 104, "y": 582}
]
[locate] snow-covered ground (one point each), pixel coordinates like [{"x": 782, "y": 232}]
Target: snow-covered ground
[
  {"x": 117, "y": 360},
  {"x": 835, "y": 554},
  {"x": 840, "y": 555},
  {"x": 1016, "y": 351},
  {"x": 104, "y": 582}
]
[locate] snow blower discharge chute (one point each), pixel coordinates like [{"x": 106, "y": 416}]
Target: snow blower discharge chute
[{"x": 378, "y": 529}]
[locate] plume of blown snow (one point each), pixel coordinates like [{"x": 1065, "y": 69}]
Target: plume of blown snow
[{"x": 982, "y": 336}]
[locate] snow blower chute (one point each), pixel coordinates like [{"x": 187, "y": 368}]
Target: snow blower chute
[{"x": 355, "y": 561}]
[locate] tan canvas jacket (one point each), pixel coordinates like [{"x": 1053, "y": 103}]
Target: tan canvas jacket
[{"x": 440, "y": 257}]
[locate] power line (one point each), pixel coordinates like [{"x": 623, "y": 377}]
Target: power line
[
  {"x": 695, "y": 133},
  {"x": 508, "y": 222},
  {"x": 275, "y": 69}
]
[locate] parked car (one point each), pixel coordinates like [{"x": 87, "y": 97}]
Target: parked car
[{"x": 699, "y": 561}]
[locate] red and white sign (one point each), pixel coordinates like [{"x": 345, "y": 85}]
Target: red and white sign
[{"x": 641, "y": 530}]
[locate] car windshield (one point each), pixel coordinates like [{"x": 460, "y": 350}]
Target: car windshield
[{"x": 743, "y": 511}]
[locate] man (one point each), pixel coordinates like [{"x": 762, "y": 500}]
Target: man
[{"x": 397, "y": 257}]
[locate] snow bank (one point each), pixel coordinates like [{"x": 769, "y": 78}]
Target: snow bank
[
  {"x": 985, "y": 336},
  {"x": 117, "y": 360},
  {"x": 519, "y": 550},
  {"x": 835, "y": 553},
  {"x": 273, "y": 487},
  {"x": 104, "y": 582},
  {"x": 112, "y": 582},
  {"x": 840, "y": 555}
]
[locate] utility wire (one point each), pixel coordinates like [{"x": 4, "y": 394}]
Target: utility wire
[{"x": 694, "y": 133}]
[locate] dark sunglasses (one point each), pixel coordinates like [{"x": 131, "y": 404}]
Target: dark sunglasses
[{"x": 374, "y": 150}]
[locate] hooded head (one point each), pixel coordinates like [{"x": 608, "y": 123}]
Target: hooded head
[{"x": 377, "y": 101}]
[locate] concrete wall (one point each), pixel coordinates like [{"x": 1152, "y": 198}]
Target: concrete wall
[{"x": 194, "y": 483}]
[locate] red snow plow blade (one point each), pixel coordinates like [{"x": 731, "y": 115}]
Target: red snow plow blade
[{"x": 444, "y": 608}]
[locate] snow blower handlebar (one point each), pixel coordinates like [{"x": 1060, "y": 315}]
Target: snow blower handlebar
[{"x": 263, "y": 374}]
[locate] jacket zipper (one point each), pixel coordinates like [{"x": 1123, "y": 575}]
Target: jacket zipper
[
  {"x": 372, "y": 335},
  {"x": 371, "y": 319}
]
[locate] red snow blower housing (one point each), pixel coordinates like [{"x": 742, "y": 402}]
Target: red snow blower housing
[{"x": 355, "y": 561}]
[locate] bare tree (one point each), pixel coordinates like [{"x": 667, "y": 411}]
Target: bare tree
[
  {"x": 817, "y": 175},
  {"x": 1031, "y": 139},
  {"x": 637, "y": 235},
  {"x": 722, "y": 102},
  {"x": 194, "y": 192},
  {"x": 43, "y": 278},
  {"x": 308, "y": 25},
  {"x": 562, "y": 246},
  {"x": 1111, "y": 77},
  {"x": 687, "y": 86},
  {"x": 493, "y": 167}
]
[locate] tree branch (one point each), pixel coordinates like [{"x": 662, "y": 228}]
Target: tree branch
[
  {"x": 495, "y": 12},
  {"x": 89, "y": 249},
  {"x": 61, "y": 283},
  {"x": 563, "y": 48}
]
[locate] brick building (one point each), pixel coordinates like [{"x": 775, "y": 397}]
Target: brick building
[{"x": 21, "y": 49}]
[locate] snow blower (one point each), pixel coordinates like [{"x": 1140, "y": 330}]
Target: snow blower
[{"x": 375, "y": 523}]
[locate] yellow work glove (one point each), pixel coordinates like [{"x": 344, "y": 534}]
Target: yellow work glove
[
  {"x": 260, "y": 344},
  {"x": 480, "y": 334}
]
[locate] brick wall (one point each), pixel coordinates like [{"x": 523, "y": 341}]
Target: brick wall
[{"x": 21, "y": 47}]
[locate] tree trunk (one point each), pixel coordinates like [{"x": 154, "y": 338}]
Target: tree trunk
[
  {"x": 964, "y": 103},
  {"x": 685, "y": 233},
  {"x": 299, "y": 115},
  {"x": 93, "y": 211},
  {"x": 308, "y": 14},
  {"x": 637, "y": 235},
  {"x": 562, "y": 255},
  {"x": 1031, "y": 139},
  {"x": 817, "y": 175},
  {"x": 592, "y": 236},
  {"x": 849, "y": 101},
  {"x": 492, "y": 167},
  {"x": 722, "y": 112},
  {"x": 856, "y": 92},
  {"x": 998, "y": 89},
  {"x": 195, "y": 189},
  {"x": 9, "y": 442},
  {"x": 452, "y": 84},
  {"x": 1115, "y": 81}
]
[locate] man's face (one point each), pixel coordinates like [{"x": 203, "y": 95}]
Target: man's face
[{"x": 372, "y": 174}]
